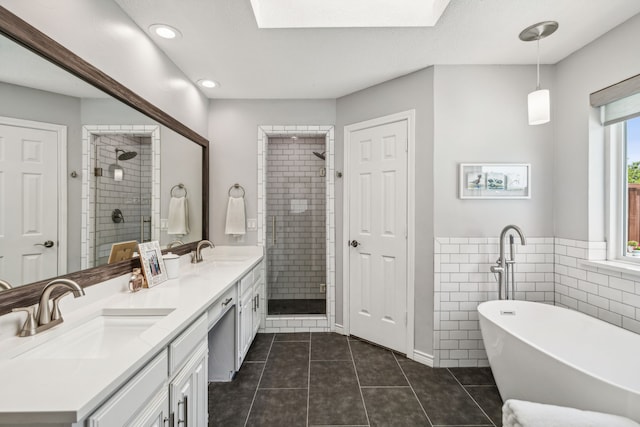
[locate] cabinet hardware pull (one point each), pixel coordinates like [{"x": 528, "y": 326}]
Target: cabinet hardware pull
[
  {"x": 258, "y": 301},
  {"x": 165, "y": 421},
  {"x": 185, "y": 411},
  {"x": 226, "y": 302}
]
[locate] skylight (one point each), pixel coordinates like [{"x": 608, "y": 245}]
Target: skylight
[{"x": 347, "y": 13}]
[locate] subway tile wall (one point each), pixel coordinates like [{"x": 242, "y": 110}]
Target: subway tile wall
[
  {"x": 88, "y": 222},
  {"x": 296, "y": 187},
  {"x": 132, "y": 195},
  {"x": 611, "y": 296},
  {"x": 462, "y": 280},
  {"x": 313, "y": 323}
]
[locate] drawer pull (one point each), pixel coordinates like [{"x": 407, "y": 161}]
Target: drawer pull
[
  {"x": 226, "y": 302},
  {"x": 183, "y": 403}
]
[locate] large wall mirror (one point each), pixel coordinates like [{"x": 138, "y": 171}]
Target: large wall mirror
[{"x": 85, "y": 164}]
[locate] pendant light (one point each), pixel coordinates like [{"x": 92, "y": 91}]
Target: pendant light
[{"x": 538, "y": 101}]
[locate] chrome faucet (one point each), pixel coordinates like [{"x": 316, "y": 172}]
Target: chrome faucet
[
  {"x": 196, "y": 256},
  {"x": 175, "y": 243},
  {"x": 4, "y": 285},
  {"x": 45, "y": 317},
  {"x": 504, "y": 266}
]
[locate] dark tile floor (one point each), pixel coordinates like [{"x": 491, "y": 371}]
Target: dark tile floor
[
  {"x": 325, "y": 379},
  {"x": 297, "y": 306}
]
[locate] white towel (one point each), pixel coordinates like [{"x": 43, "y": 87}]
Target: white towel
[
  {"x": 520, "y": 413},
  {"x": 178, "y": 222},
  {"x": 235, "y": 216}
]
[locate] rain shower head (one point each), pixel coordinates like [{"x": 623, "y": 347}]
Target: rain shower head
[
  {"x": 126, "y": 155},
  {"x": 319, "y": 155}
]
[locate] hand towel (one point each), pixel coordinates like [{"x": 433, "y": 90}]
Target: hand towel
[
  {"x": 520, "y": 413},
  {"x": 178, "y": 222},
  {"x": 235, "y": 216}
]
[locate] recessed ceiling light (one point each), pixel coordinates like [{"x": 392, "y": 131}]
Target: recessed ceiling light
[
  {"x": 209, "y": 84},
  {"x": 165, "y": 31}
]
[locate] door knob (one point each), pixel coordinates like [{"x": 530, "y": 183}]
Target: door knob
[
  {"x": 47, "y": 244},
  {"x": 354, "y": 243}
]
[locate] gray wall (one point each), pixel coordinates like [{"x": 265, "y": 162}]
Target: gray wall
[
  {"x": 481, "y": 117},
  {"x": 579, "y": 149},
  {"x": 233, "y": 133},
  {"x": 414, "y": 91}
]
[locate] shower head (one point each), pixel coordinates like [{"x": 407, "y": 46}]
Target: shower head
[
  {"x": 319, "y": 155},
  {"x": 126, "y": 155}
]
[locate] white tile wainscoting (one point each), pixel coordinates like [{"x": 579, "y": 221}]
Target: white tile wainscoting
[
  {"x": 462, "y": 280},
  {"x": 564, "y": 272},
  {"x": 597, "y": 290}
]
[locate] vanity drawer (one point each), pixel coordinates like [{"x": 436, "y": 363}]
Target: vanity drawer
[
  {"x": 126, "y": 403},
  {"x": 246, "y": 283},
  {"x": 182, "y": 347},
  {"x": 220, "y": 306}
]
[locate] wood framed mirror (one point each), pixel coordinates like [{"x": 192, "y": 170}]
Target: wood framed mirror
[{"x": 30, "y": 38}]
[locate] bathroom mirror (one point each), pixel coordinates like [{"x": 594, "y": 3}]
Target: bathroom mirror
[{"x": 111, "y": 144}]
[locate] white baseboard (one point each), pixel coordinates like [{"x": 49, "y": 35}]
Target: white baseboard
[
  {"x": 424, "y": 358},
  {"x": 338, "y": 329}
]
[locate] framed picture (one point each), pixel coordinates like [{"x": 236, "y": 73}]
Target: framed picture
[
  {"x": 152, "y": 263},
  {"x": 495, "y": 181}
]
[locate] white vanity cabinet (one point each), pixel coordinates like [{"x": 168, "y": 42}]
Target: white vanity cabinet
[
  {"x": 156, "y": 413},
  {"x": 130, "y": 399},
  {"x": 188, "y": 391},
  {"x": 175, "y": 381},
  {"x": 250, "y": 313}
]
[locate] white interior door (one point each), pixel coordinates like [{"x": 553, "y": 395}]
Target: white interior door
[
  {"x": 378, "y": 234},
  {"x": 28, "y": 204}
]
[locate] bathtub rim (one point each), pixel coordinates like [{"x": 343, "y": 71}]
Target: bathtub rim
[{"x": 540, "y": 349}]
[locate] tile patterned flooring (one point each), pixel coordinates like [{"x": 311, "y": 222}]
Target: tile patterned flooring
[{"x": 326, "y": 379}]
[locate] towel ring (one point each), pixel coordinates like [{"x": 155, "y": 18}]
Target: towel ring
[
  {"x": 179, "y": 187},
  {"x": 236, "y": 186}
]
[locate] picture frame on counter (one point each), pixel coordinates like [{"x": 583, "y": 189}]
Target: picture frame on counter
[
  {"x": 152, "y": 263},
  {"x": 494, "y": 181}
]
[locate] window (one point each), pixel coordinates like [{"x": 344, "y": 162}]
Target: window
[
  {"x": 630, "y": 140},
  {"x": 619, "y": 106}
]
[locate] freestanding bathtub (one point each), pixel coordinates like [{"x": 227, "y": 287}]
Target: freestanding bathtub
[{"x": 549, "y": 354}]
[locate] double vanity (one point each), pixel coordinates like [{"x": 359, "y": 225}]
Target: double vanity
[{"x": 139, "y": 359}]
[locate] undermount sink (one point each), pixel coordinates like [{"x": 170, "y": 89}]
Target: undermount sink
[{"x": 100, "y": 337}]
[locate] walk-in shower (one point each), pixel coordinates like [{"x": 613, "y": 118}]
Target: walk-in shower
[
  {"x": 296, "y": 225},
  {"x": 121, "y": 188}
]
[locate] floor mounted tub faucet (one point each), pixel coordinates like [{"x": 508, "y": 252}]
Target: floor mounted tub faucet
[{"x": 505, "y": 266}]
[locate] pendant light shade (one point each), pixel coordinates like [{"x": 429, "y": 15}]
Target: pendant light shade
[
  {"x": 539, "y": 102},
  {"x": 539, "y": 107}
]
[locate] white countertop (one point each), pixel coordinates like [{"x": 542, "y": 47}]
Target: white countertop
[{"x": 68, "y": 390}]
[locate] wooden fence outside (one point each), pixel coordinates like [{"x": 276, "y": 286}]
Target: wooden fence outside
[{"x": 633, "y": 226}]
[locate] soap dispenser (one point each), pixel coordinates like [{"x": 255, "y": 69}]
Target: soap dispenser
[{"x": 136, "y": 281}]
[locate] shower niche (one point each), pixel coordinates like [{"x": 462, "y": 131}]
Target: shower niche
[{"x": 296, "y": 221}]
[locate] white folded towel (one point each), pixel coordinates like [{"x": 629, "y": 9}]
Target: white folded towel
[
  {"x": 520, "y": 413},
  {"x": 235, "y": 216},
  {"x": 178, "y": 221}
]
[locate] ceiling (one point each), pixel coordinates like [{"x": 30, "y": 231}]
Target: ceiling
[{"x": 221, "y": 41}]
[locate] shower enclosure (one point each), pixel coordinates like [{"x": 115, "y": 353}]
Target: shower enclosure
[
  {"x": 121, "y": 187},
  {"x": 296, "y": 225}
]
